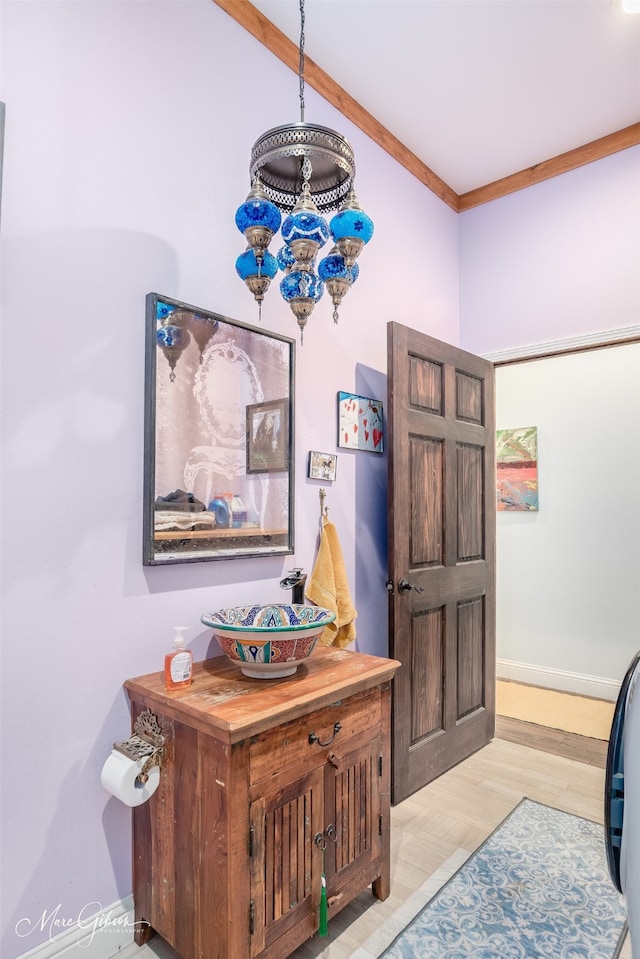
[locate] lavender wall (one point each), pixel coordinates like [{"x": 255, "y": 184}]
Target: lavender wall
[
  {"x": 128, "y": 131},
  {"x": 553, "y": 261}
]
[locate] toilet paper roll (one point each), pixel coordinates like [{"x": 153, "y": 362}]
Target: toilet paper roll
[{"x": 119, "y": 778}]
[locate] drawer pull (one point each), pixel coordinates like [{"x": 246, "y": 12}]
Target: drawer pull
[{"x": 316, "y": 739}]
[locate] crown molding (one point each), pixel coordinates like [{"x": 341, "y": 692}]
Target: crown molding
[
  {"x": 574, "y": 344},
  {"x": 596, "y": 150},
  {"x": 255, "y": 23}
]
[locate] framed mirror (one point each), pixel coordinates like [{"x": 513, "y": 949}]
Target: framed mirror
[{"x": 219, "y": 437}]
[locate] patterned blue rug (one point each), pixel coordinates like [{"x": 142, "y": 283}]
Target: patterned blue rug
[{"x": 538, "y": 888}]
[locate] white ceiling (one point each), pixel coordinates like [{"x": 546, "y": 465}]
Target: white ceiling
[{"x": 477, "y": 89}]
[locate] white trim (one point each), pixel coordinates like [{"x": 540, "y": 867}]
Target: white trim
[
  {"x": 589, "y": 341},
  {"x": 97, "y": 935},
  {"x": 559, "y": 679}
]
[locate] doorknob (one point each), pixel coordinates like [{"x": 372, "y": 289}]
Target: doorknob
[{"x": 405, "y": 586}]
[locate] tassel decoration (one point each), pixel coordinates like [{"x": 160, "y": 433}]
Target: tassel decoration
[
  {"x": 323, "y": 926},
  {"x": 323, "y": 919}
]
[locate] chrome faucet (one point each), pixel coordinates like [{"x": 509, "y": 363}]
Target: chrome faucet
[{"x": 295, "y": 582}]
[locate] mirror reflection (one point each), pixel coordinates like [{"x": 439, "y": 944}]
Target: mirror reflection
[{"x": 219, "y": 437}]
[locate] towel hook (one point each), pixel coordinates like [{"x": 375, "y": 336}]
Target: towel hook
[{"x": 324, "y": 510}]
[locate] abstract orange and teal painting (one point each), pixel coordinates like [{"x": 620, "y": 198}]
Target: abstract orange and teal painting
[{"x": 517, "y": 468}]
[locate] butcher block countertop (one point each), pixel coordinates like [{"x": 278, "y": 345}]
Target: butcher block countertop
[{"x": 239, "y": 706}]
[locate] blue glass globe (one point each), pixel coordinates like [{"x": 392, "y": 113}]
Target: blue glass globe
[
  {"x": 258, "y": 212},
  {"x": 163, "y": 310},
  {"x": 301, "y": 284},
  {"x": 333, "y": 267},
  {"x": 305, "y": 226},
  {"x": 351, "y": 223},
  {"x": 285, "y": 258},
  {"x": 247, "y": 265},
  {"x": 171, "y": 337}
]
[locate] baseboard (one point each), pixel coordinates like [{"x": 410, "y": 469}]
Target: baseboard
[
  {"x": 566, "y": 682},
  {"x": 91, "y": 935}
]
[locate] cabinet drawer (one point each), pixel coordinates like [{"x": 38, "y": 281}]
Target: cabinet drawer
[{"x": 289, "y": 745}]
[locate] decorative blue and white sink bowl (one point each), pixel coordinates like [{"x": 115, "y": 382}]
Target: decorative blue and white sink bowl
[{"x": 268, "y": 642}]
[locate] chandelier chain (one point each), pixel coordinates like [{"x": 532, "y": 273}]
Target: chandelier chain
[
  {"x": 301, "y": 66},
  {"x": 302, "y": 170}
]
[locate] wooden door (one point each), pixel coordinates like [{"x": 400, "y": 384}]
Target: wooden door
[{"x": 441, "y": 520}]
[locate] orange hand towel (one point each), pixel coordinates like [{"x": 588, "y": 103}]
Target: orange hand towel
[{"x": 329, "y": 587}]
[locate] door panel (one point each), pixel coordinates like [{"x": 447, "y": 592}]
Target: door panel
[
  {"x": 426, "y": 469},
  {"x": 470, "y": 668},
  {"x": 469, "y": 506},
  {"x": 441, "y": 429},
  {"x": 427, "y": 666}
]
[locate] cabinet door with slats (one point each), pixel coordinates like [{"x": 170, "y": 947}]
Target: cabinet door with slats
[
  {"x": 286, "y": 865},
  {"x": 353, "y": 811}
]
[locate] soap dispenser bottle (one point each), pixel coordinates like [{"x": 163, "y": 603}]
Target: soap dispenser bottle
[{"x": 178, "y": 664}]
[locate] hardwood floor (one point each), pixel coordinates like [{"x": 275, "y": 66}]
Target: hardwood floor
[
  {"x": 570, "y": 745},
  {"x": 437, "y": 828}
]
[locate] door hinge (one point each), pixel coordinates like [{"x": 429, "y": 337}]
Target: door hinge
[
  {"x": 251, "y": 836},
  {"x": 380, "y": 824},
  {"x": 251, "y": 917},
  {"x": 380, "y": 765}
]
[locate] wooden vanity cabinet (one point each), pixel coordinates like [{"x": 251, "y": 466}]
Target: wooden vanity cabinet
[{"x": 257, "y": 777}]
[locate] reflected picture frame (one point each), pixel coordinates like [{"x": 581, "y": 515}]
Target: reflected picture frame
[{"x": 268, "y": 437}]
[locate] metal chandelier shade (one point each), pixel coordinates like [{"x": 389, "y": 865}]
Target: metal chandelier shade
[
  {"x": 276, "y": 159},
  {"x": 302, "y": 170}
]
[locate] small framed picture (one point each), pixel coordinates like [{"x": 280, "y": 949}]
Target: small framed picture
[
  {"x": 359, "y": 423},
  {"x": 322, "y": 466},
  {"x": 268, "y": 437}
]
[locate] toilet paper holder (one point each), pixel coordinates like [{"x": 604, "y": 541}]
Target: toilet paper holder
[{"x": 146, "y": 743}]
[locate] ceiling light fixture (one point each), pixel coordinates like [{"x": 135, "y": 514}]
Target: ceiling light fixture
[{"x": 302, "y": 170}]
